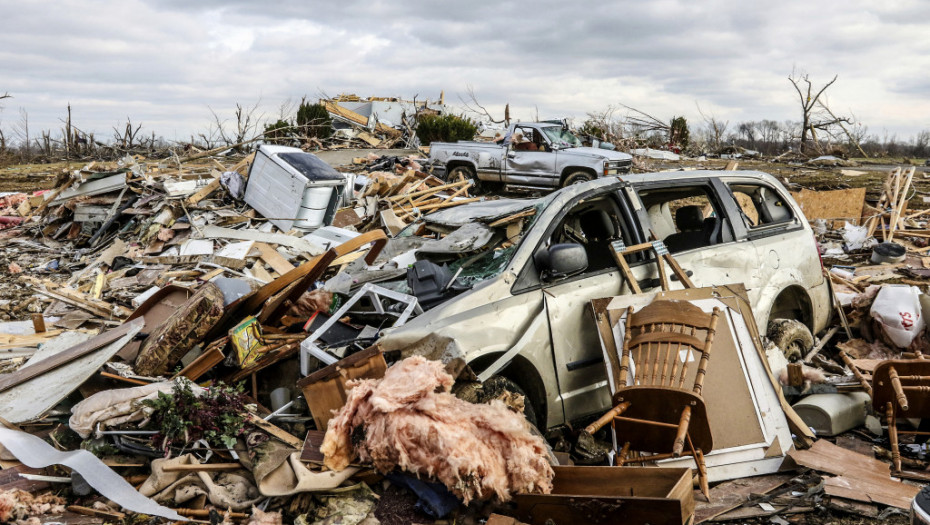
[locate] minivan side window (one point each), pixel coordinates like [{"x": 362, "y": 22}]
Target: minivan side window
[
  {"x": 685, "y": 217},
  {"x": 761, "y": 205}
]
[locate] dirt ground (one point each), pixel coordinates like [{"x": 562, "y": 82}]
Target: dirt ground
[{"x": 33, "y": 177}]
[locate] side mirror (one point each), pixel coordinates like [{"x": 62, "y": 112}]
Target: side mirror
[{"x": 560, "y": 260}]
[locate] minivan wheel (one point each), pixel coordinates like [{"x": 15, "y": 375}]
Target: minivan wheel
[
  {"x": 792, "y": 336},
  {"x": 494, "y": 388}
]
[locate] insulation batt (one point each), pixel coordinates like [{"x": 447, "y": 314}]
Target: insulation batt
[{"x": 410, "y": 420}]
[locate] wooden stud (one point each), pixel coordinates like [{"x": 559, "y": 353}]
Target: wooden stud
[{"x": 38, "y": 323}]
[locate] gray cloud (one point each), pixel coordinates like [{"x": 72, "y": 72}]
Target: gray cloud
[{"x": 163, "y": 63}]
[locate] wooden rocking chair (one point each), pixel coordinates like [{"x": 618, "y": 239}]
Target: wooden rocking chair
[{"x": 658, "y": 404}]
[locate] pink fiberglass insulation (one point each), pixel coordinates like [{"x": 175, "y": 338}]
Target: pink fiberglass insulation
[{"x": 409, "y": 420}]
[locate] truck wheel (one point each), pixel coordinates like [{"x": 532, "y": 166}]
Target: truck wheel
[
  {"x": 466, "y": 172},
  {"x": 577, "y": 178},
  {"x": 792, "y": 336}
]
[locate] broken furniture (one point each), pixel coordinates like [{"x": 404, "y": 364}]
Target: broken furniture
[
  {"x": 750, "y": 421},
  {"x": 620, "y": 251},
  {"x": 325, "y": 390},
  {"x": 900, "y": 388},
  {"x": 658, "y": 403},
  {"x": 611, "y": 495},
  {"x": 376, "y": 299}
]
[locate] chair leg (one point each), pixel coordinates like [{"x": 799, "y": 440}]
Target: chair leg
[
  {"x": 701, "y": 468},
  {"x": 683, "y": 423},
  {"x": 624, "y": 452},
  {"x": 893, "y": 436}
]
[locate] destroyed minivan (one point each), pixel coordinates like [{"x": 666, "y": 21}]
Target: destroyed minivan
[{"x": 521, "y": 310}]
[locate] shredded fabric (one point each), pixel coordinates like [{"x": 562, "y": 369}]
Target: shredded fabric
[{"x": 410, "y": 420}]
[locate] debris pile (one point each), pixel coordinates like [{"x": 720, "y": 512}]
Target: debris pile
[
  {"x": 183, "y": 310},
  {"x": 272, "y": 339}
]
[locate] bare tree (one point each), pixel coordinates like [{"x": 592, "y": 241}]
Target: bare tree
[
  {"x": 473, "y": 106},
  {"x": 246, "y": 126},
  {"x": 287, "y": 108},
  {"x": 641, "y": 122},
  {"x": 809, "y": 98},
  {"x": 128, "y": 138},
  {"x": 841, "y": 122},
  {"x": 716, "y": 129},
  {"x": 21, "y": 131}
]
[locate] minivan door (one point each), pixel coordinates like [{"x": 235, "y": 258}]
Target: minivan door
[{"x": 576, "y": 348}]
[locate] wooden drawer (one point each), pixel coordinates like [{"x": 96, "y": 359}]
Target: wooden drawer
[{"x": 605, "y": 495}]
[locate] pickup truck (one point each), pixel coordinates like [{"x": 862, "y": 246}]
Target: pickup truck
[{"x": 532, "y": 155}]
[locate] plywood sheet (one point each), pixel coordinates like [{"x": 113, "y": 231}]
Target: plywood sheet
[
  {"x": 835, "y": 206},
  {"x": 36, "y": 396}
]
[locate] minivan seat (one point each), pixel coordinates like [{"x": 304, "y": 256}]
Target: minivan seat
[
  {"x": 598, "y": 230},
  {"x": 690, "y": 223}
]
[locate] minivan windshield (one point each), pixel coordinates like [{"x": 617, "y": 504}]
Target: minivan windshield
[{"x": 561, "y": 137}]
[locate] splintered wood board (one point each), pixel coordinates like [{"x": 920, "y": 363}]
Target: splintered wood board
[
  {"x": 835, "y": 206},
  {"x": 859, "y": 477}
]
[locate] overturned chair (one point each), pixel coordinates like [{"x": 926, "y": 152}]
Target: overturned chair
[
  {"x": 658, "y": 407},
  {"x": 901, "y": 388}
]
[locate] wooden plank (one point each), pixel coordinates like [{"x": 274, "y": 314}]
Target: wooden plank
[
  {"x": 34, "y": 397},
  {"x": 852, "y": 507},
  {"x": 216, "y": 232},
  {"x": 311, "y": 449},
  {"x": 74, "y": 353},
  {"x": 10, "y": 478},
  {"x": 72, "y": 296},
  {"x": 8, "y": 341},
  {"x": 274, "y": 306},
  {"x": 746, "y": 513},
  {"x": 277, "y": 432},
  {"x": 38, "y": 323},
  {"x": 87, "y": 511},
  {"x": 203, "y": 192},
  {"x": 274, "y": 259},
  {"x": 891, "y": 493},
  {"x": 202, "y": 467},
  {"x": 390, "y": 221}
]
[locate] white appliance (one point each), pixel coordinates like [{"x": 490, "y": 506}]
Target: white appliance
[{"x": 292, "y": 188}]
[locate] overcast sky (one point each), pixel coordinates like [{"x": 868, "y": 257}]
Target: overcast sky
[{"x": 165, "y": 64}]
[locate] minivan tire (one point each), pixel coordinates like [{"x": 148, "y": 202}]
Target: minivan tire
[{"x": 792, "y": 336}]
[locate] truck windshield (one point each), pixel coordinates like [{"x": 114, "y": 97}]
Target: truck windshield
[{"x": 561, "y": 137}]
